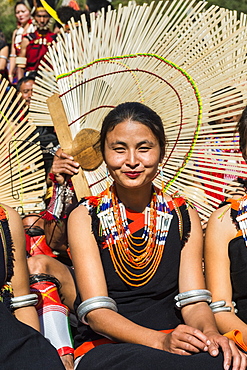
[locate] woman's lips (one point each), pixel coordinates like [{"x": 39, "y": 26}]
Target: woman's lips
[{"x": 132, "y": 175}]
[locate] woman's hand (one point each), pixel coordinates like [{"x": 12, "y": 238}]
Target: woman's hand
[
  {"x": 63, "y": 164},
  {"x": 185, "y": 340},
  {"x": 232, "y": 355}
]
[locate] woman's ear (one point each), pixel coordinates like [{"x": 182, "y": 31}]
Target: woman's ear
[{"x": 162, "y": 154}]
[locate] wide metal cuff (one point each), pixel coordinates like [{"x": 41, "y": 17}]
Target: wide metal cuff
[
  {"x": 95, "y": 303},
  {"x": 193, "y": 296},
  {"x": 24, "y": 301}
]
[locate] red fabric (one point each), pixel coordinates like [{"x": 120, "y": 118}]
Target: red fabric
[
  {"x": 65, "y": 351},
  {"x": 36, "y": 51},
  {"x": 87, "y": 346},
  {"x": 37, "y": 245}
]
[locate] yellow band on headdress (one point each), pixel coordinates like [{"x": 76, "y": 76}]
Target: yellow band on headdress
[
  {"x": 51, "y": 11},
  {"x": 40, "y": 8}
]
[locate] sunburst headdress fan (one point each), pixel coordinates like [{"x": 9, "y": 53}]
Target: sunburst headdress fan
[
  {"x": 179, "y": 58},
  {"x": 22, "y": 176}
]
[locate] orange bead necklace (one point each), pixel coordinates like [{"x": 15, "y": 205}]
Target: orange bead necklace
[{"x": 136, "y": 263}]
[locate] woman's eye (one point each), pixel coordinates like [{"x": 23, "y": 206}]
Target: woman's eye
[
  {"x": 144, "y": 148},
  {"x": 119, "y": 149}
]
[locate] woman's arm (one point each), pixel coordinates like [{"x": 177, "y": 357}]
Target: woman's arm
[
  {"x": 20, "y": 280},
  {"x": 91, "y": 282},
  {"x": 4, "y": 52},
  {"x": 220, "y": 232},
  {"x": 21, "y": 67},
  {"x": 199, "y": 315},
  {"x": 12, "y": 58}
]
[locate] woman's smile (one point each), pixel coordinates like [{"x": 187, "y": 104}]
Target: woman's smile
[{"x": 132, "y": 154}]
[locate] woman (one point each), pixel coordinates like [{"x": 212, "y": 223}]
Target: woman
[
  {"x": 133, "y": 248},
  {"x": 25, "y": 26},
  {"x": 4, "y": 52},
  {"x": 22, "y": 347},
  {"x": 226, "y": 259}
]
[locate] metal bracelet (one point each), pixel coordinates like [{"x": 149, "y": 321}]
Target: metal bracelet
[
  {"x": 3, "y": 57},
  {"x": 220, "y": 306},
  {"x": 199, "y": 298},
  {"x": 12, "y": 55},
  {"x": 24, "y": 301},
  {"x": 93, "y": 304},
  {"x": 192, "y": 293}
]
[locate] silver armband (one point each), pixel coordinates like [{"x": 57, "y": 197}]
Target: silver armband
[
  {"x": 193, "y": 296},
  {"x": 220, "y": 306},
  {"x": 24, "y": 301},
  {"x": 93, "y": 304},
  {"x": 3, "y": 57}
]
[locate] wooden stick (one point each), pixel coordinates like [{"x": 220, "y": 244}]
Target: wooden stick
[{"x": 65, "y": 139}]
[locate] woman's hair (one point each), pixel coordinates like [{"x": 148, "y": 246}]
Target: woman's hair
[
  {"x": 242, "y": 130},
  {"x": 135, "y": 112},
  {"x": 26, "y": 3},
  {"x": 97, "y": 5}
]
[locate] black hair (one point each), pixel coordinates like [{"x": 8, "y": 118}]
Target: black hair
[
  {"x": 133, "y": 111},
  {"x": 242, "y": 130},
  {"x": 65, "y": 13},
  {"x": 96, "y": 5},
  {"x": 23, "y": 80}
]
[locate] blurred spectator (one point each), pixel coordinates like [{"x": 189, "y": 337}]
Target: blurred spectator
[
  {"x": 47, "y": 137},
  {"x": 35, "y": 45},
  {"x": 4, "y": 52},
  {"x": 24, "y": 27},
  {"x": 94, "y": 6},
  {"x": 65, "y": 13}
]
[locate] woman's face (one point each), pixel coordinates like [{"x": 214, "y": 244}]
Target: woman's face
[
  {"x": 132, "y": 154},
  {"x": 22, "y": 14}
]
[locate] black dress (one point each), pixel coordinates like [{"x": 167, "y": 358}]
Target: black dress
[
  {"x": 237, "y": 252},
  {"x": 151, "y": 305},
  {"x": 21, "y": 347}
]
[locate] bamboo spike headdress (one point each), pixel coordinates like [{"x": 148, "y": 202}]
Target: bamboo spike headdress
[
  {"x": 179, "y": 58},
  {"x": 22, "y": 176}
]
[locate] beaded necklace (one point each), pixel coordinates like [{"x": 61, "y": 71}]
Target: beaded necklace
[
  {"x": 126, "y": 258},
  {"x": 242, "y": 217}
]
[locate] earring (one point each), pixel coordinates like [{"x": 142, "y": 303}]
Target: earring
[
  {"x": 162, "y": 177},
  {"x": 107, "y": 182}
]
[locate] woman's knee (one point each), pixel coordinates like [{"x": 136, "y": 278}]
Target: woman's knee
[{"x": 39, "y": 264}]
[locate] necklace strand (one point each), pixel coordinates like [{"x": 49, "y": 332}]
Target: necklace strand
[{"x": 126, "y": 258}]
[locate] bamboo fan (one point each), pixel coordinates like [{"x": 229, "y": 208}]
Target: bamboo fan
[
  {"x": 186, "y": 62},
  {"x": 22, "y": 177}
]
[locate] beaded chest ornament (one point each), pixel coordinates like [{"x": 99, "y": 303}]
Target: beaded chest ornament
[
  {"x": 126, "y": 258},
  {"x": 242, "y": 217}
]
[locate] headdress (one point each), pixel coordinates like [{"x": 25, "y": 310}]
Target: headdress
[
  {"x": 21, "y": 166},
  {"x": 171, "y": 56}
]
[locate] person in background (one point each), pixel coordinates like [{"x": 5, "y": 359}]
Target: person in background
[
  {"x": 47, "y": 137},
  {"x": 4, "y": 53},
  {"x": 22, "y": 346},
  {"x": 95, "y": 6},
  {"x": 35, "y": 45},
  {"x": 24, "y": 26},
  {"x": 226, "y": 258}
]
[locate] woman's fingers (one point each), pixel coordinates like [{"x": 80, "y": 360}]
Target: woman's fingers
[{"x": 186, "y": 340}]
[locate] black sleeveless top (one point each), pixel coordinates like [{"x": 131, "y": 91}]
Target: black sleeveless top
[
  {"x": 6, "y": 257},
  {"x": 237, "y": 252},
  {"x": 151, "y": 305}
]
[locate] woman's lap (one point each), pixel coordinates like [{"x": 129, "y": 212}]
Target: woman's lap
[
  {"x": 23, "y": 348},
  {"x": 124, "y": 356}
]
